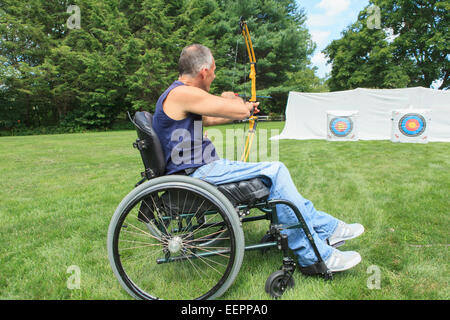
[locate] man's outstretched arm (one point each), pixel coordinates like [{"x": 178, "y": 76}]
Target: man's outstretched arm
[
  {"x": 213, "y": 121},
  {"x": 187, "y": 99}
]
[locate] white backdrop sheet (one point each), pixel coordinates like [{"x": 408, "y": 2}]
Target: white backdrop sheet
[{"x": 306, "y": 113}]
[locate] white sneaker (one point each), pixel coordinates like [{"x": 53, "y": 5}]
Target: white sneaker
[
  {"x": 345, "y": 232},
  {"x": 342, "y": 260}
]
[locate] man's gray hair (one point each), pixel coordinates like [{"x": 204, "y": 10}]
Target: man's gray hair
[{"x": 194, "y": 58}]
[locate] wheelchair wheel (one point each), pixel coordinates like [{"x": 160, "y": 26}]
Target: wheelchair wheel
[{"x": 175, "y": 237}]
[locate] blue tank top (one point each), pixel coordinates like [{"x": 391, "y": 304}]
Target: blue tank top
[{"x": 182, "y": 140}]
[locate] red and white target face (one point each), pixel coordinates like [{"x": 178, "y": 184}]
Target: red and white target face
[
  {"x": 412, "y": 125},
  {"x": 341, "y": 126}
]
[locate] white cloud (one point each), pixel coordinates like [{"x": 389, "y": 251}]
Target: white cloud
[
  {"x": 320, "y": 37},
  {"x": 332, "y": 10},
  {"x": 390, "y": 36},
  {"x": 333, "y": 7},
  {"x": 320, "y": 61},
  {"x": 437, "y": 84},
  {"x": 319, "y": 20}
]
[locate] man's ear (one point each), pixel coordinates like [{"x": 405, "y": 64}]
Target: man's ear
[{"x": 203, "y": 73}]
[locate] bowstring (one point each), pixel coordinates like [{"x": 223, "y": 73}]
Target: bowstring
[
  {"x": 235, "y": 64},
  {"x": 245, "y": 89}
]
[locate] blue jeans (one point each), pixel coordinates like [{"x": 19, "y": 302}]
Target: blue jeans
[{"x": 320, "y": 224}]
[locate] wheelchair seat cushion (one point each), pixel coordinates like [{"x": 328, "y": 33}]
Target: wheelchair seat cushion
[{"x": 246, "y": 192}]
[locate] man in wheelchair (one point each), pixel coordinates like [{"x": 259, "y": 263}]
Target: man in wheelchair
[{"x": 182, "y": 111}]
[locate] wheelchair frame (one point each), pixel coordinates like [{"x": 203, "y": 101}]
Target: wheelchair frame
[{"x": 276, "y": 283}]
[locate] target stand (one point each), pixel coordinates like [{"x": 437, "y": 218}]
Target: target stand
[
  {"x": 342, "y": 126},
  {"x": 410, "y": 126}
]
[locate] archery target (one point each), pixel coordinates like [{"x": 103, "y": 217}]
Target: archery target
[
  {"x": 410, "y": 126},
  {"x": 342, "y": 126}
]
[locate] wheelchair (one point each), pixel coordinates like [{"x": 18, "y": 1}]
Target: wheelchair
[{"x": 177, "y": 237}]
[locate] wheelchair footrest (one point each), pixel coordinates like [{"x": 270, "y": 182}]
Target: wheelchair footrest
[{"x": 319, "y": 268}]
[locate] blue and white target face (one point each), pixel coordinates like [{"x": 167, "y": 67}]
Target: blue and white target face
[
  {"x": 412, "y": 125},
  {"x": 341, "y": 126}
]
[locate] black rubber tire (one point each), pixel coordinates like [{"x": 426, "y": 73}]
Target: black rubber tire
[
  {"x": 151, "y": 275},
  {"x": 278, "y": 282}
]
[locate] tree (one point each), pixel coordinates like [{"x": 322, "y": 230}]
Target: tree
[
  {"x": 24, "y": 44},
  {"x": 417, "y": 56},
  {"x": 125, "y": 54},
  {"x": 306, "y": 80},
  {"x": 282, "y": 47},
  {"x": 363, "y": 58},
  {"x": 423, "y": 41}
]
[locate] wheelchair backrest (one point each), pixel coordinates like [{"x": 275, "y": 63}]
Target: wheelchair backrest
[{"x": 149, "y": 145}]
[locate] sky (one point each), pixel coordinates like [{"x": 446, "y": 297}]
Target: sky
[{"x": 326, "y": 20}]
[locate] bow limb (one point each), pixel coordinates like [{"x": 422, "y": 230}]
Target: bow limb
[
  {"x": 253, "y": 120},
  {"x": 251, "y": 57}
]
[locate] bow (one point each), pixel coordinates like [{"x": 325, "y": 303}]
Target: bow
[{"x": 253, "y": 120}]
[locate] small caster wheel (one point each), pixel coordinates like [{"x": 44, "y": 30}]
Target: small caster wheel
[{"x": 278, "y": 282}]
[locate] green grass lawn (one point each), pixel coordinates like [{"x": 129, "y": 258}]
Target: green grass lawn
[{"x": 58, "y": 193}]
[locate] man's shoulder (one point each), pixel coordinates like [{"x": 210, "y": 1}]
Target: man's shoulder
[
  {"x": 180, "y": 101},
  {"x": 184, "y": 92}
]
